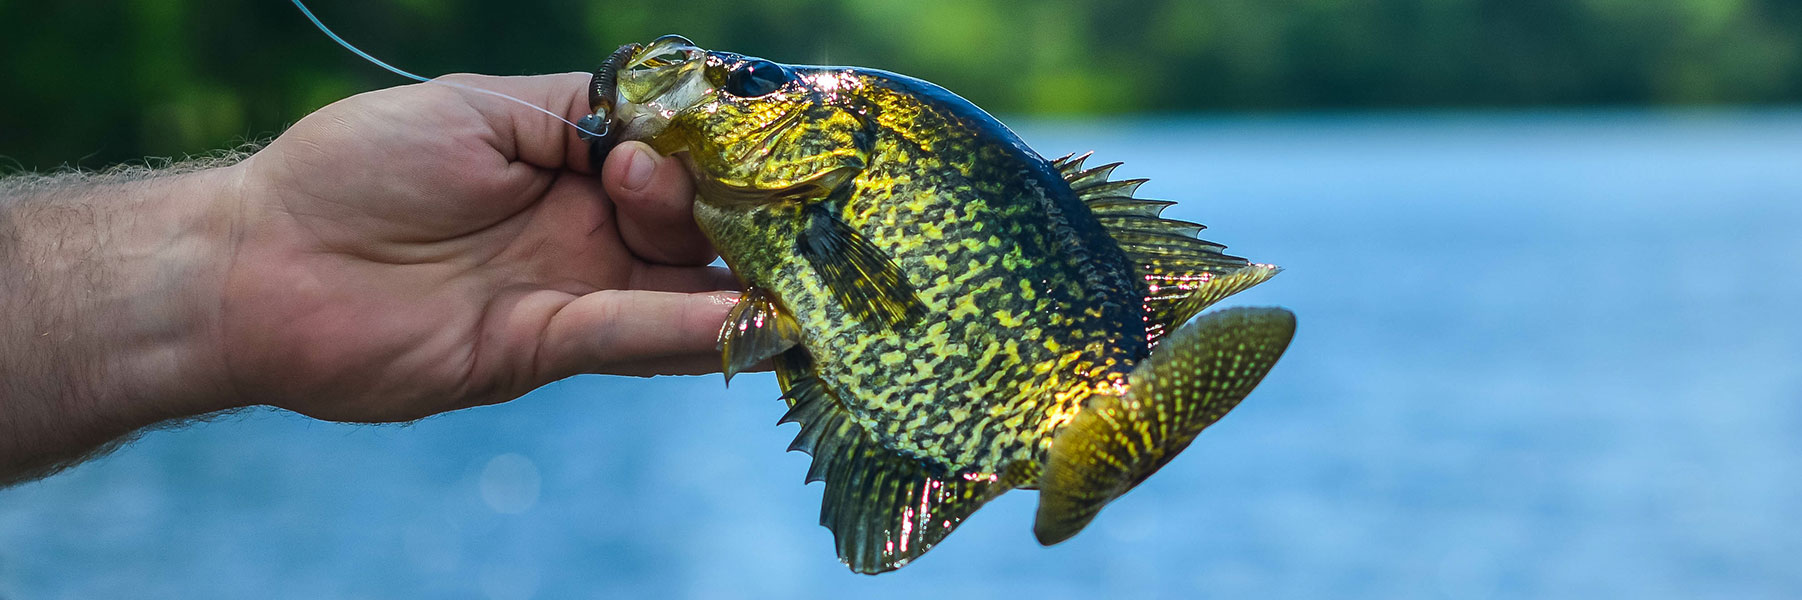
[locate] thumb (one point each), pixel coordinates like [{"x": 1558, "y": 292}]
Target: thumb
[
  {"x": 655, "y": 198},
  {"x": 635, "y": 332}
]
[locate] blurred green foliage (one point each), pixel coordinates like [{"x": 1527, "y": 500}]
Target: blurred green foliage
[{"x": 90, "y": 82}]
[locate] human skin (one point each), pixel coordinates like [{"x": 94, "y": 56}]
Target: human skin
[{"x": 394, "y": 255}]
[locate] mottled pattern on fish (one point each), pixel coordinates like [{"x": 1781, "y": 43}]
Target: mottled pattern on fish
[
  {"x": 950, "y": 315},
  {"x": 1021, "y": 286}
]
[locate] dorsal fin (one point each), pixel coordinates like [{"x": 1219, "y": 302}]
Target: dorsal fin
[
  {"x": 1128, "y": 207},
  {"x": 884, "y": 509},
  {"x": 1091, "y": 176},
  {"x": 1181, "y": 274},
  {"x": 1070, "y": 163}
]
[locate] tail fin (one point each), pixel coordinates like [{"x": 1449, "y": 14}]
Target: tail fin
[{"x": 1195, "y": 376}]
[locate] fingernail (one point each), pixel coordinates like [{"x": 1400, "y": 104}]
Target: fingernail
[
  {"x": 638, "y": 168},
  {"x": 726, "y": 298}
]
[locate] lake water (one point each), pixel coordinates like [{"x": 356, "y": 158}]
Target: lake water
[{"x": 1540, "y": 356}]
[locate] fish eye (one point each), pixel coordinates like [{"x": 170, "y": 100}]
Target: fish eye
[{"x": 755, "y": 78}]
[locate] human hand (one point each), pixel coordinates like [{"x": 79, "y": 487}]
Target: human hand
[
  {"x": 421, "y": 249},
  {"x": 392, "y": 256}
]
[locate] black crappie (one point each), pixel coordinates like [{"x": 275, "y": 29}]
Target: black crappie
[{"x": 951, "y": 315}]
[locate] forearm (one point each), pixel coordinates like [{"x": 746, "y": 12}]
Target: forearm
[{"x": 109, "y": 296}]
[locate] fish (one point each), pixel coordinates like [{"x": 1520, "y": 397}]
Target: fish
[{"x": 950, "y": 315}]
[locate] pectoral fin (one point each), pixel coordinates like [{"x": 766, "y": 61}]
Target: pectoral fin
[
  {"x": 863, "y": 279},
  {"x": 755, "y": 331},
  {"x": 859, "y": 275}
]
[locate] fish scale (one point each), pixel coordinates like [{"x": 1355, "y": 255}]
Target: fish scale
[{"x": 980, "y": 219}]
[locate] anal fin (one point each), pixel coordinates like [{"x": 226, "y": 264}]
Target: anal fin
[{"x": 884, "y": 508}]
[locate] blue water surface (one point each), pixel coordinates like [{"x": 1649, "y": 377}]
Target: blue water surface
[{"x": 1540, "y": 356}]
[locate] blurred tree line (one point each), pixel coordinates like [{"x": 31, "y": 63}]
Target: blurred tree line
[{"x": 91, "y": 82}]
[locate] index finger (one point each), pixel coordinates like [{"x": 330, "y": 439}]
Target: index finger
[{"x": 525, "y": 133}]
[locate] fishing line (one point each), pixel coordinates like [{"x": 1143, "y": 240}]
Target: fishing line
[{"x": 397, "y": 71}]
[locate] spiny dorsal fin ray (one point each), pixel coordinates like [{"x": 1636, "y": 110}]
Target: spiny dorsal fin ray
[
  {"x": 1171, "y": 227},
  {"x": 1199, "y": 374},
  {"x": 1128, "y": 207},
  {"x": 1123, "y": 188},
  {"x": 1180, "y": 274},
  {"x": 884, "y": 509},
  {"x": 1091, "y": 176},
  {"x": 1070, "y": 163}
]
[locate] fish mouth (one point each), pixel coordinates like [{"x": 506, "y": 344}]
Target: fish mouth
[{"x": 631, "y": 81}]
